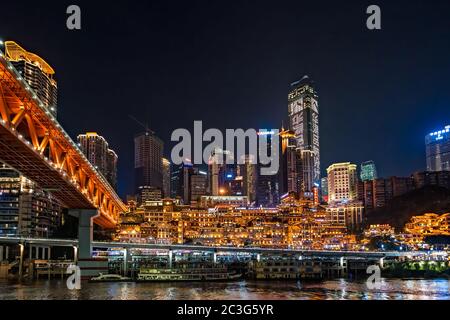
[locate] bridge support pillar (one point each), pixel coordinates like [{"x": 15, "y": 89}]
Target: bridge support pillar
[
  {"x": 343, "y": 266},
  {"x": 21, "y": 250},
  {"x": 258, "y": 257},
  {"x": 215, "y": 257},
  {"x": 382, "y": 263},
  {"x": 7, "y": 253},
  {"x": 1, "y": 253},
  {"x": 89, "y": 267},
  {"x": 75, "y": 254},
  {"x": 125, "y": 262},
  {"x": 170, "y": 254}
]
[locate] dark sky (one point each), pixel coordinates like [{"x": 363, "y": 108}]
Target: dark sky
[{"x": 229, "y": 63}]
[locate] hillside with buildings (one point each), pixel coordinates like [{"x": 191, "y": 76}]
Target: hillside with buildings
[{"x": 399, "y": 210}]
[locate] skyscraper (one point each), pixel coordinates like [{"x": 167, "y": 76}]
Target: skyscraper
[
  {"x": 188, "y": 182},
  {"x": 437, "y": 146},
  {"x": 166, "y": 177},
  {"x": 217, "y": 169},
  {"x": 303, "y": 111},
  {"x": 291, "y": 174},
  {"x": 148, "y": 154},
  {"x": 96, "y": 150},
  {"x": 249, "y": 173},
  {"x": 368, "y": 171},
  {"x": 36, "y": 72},
  {"x": 342, "y": 182},
  {"x": 111, "y": 168},
  {"x": 25, "y": 209},
  {"x": 268, "y": 186}
]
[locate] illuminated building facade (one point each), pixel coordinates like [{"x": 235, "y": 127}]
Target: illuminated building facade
[
  {"x": 36, "y": 72},
  {"x": 111, "y": 168},
  {"x": 197, "y": 185},
  {"x": 304, "y": 122},
  {"x": 348, "y": 214},
  {"x": 290, "y": 168},
  {"x": 148, "y": 194},
  {"x": 342, "y": 182},
  {"x": 166, "y": 166},
  {"x": 26, "y": 210},
  {"x": 437, "y": 145},
  {"x": 96, "y": 150},
  {"x": 429, "y": 224},
  {"x": 249, "y": 175},
  {"x": 324, "y": 188},
  {"x": 226, "y": 221},
  {"x": 268, "y": 186},
  {"x": 368, "y": 171},
  {"x": 148, "y": 164}
]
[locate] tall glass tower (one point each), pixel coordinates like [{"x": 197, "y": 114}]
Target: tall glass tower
[
  {"x": 437, "y": 146},
  {"x": 368, "y": 171},
  {"x": 303, "y": 111}
]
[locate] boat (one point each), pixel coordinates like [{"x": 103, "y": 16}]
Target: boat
[
  {"x": 148, "y": 274},
  {"x": 110, "y": 278}
]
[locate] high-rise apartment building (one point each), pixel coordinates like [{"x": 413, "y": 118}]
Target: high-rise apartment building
[
  {"x": 25, "y": 209},
  {"x": 188, "y": 182},
  {"x": 217, "y": 170},
  {"x": 342, "y": 182},
  {"x": 324, "y": 188},
  {"x": 198, "y": 186},
  {"x": 36, "y": 72},
  {"x": 291, "y": 176},
  {"x": 96, "y": 150},
  {"x": 249, "y": 174},
  {"x": 304, "y": 122},
  {"x": 368, "y": 171},
  {"x": 268, "y": 185},
  {"x": 437, "y": 145},
  {"x": 111, "y": 168},
  {"x": 148, "y": 164},
  {"x": 166, "y": 166}
]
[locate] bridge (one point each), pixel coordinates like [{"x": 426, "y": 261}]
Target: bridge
[
  {"x": 175, "y": 247},
  {"x": 34, "y": 143}
]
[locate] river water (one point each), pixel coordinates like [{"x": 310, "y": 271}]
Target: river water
[{"x": 398, "y": 289}]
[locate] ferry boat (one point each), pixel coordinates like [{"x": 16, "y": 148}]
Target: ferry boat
[
  {"x": 186, "y": 273},
  {"x": 110, "y": 278}
]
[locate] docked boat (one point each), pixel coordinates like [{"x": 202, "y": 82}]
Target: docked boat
[
  {"x": 186, "y": 274},
  {"x": 110, "y": 278}
]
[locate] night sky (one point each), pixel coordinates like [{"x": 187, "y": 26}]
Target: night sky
[{"x": 230, "y": 63}]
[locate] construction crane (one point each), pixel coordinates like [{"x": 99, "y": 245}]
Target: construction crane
[{"x": 145, "y": 126}]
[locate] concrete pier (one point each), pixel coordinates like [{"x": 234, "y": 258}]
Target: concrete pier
[{"x": 89, "y": 266}]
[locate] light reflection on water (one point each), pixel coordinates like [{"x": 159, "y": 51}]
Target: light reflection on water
[{"x": 247, "y": 290}]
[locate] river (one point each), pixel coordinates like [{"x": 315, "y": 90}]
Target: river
[{"x": 398, "y": 289}]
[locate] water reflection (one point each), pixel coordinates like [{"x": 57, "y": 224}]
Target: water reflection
[{"x": 340, "y": 289}]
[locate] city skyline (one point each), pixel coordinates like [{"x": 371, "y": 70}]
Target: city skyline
[
  {"x": 212, "y": 147},
  {"x": 347, "y": 107}
]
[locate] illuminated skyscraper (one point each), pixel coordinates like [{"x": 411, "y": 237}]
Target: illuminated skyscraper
[
  {"x": 148, "y": 154},
  {"x": 96, "y": 150},
  {"x": 268, "y": 186},
  {"x": 368, "y": 171},
  {"x": 36, "y": 72},
  {"x": 438, "y": 150},
  {"x": 111, "y": 168},
  {"x": 342, "y": 182},
  {"x": 166, "y": 177},
  {"x": 290, "y": 170},
  {"x": 249, "y": 174},
  {"x": 304, "y": 122}
]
